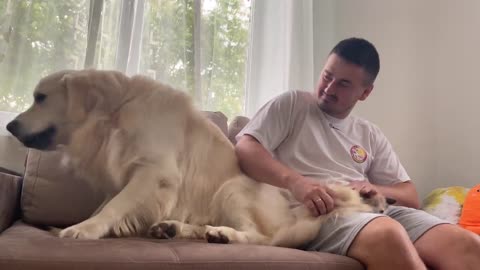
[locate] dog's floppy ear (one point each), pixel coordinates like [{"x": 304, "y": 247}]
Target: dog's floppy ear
[
  {"x": 92, "y": 90},
  {"x": 78, "y": 97}
]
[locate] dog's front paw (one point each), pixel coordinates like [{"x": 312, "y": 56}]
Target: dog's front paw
[{"x": 82, "y": 231}]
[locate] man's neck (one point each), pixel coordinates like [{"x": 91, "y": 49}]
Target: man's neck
[{"x": 337, "y": 116}]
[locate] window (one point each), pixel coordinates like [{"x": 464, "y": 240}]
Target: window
[
  {"x": 199, "y": 46},
  {"x": 37, "y": 38}
]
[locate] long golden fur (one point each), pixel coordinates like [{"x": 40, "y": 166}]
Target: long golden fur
[{"x": 164, "y": 168}]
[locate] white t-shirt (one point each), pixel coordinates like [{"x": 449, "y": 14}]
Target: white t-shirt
[{"x": 301, "y": 136}]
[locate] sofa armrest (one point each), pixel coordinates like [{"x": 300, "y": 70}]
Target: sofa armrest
[{"x": 10, "y": 186}]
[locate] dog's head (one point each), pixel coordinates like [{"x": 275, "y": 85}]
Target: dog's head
[
  {"x": 379, "y": 203},
  {"x": 63, "y": 101}
]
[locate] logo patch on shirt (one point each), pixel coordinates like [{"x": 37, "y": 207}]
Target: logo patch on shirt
[{"x": 358, "y": 154}]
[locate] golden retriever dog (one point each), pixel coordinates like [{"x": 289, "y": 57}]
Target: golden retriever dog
[{"x": 165, "y": 169}]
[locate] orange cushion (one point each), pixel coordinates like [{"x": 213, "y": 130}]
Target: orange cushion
[{"x": 470, "y": 217}]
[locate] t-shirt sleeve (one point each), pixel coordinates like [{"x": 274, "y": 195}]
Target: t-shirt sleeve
[
  {"x": 270, "y": 125},
  {"x": 386, "y": 168}
]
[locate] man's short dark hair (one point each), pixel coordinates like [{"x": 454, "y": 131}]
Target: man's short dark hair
[{"x": 360, "y": 52}]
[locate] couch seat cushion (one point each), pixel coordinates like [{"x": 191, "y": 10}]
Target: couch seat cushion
[{"x": 26, "y": 247}]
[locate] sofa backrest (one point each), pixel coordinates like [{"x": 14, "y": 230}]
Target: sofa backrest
[
  {"x": 53, "y": 195},
  {"x": 12, "y": 153},
  {"x": 237, "y": 124}
]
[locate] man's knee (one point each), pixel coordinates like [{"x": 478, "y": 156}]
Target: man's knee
[
  {"x": 381, "y": 233},
  {"x": 384, "y": 241}
]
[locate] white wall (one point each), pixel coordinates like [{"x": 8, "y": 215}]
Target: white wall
[
  {"x": 456, "y": 121},
  {"x": 426, "y": 93}
]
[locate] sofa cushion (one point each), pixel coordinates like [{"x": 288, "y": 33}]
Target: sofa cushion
[
  {"x": 25, "y": 247},
  {"x": 219, "y": 119},
  {"x": 12, "y": 155},
  {"x": 9, "y": 198},
  {"x": 446, "y": 203},
  {"x": 53, "y": 195}
]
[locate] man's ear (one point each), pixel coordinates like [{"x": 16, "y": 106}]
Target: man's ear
[{"x": 366, "y": 92}]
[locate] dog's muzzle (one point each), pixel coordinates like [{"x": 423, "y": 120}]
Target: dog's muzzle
[{"x": 39, "y": 140}]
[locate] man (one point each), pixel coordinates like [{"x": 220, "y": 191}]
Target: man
[{"x": 302, "y": 140}]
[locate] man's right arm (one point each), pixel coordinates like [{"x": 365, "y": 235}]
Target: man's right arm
[{"x": 257, "y": 163}]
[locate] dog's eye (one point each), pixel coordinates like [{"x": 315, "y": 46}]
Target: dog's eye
[{"x": 39, "y": 97}]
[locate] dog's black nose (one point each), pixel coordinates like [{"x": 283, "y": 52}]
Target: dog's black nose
[{"x": 13, "y": 127}]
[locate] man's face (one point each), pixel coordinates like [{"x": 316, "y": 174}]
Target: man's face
[{"x": 340, "y": 86}]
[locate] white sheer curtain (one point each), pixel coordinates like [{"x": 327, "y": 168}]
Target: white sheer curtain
[{"x": 288, "y": 41}]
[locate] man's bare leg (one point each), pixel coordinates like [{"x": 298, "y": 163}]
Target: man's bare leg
[
  {"x": 384, "y": 244},
  {"x": 449, "y": 247}
]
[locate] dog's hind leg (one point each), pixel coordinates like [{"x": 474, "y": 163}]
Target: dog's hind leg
[
  {"x": 169, "y": 229},
  {"x": 237, "y": 217},
  {"x": 225, "y": 235}
]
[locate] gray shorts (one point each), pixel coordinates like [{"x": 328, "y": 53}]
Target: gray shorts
[{"x": 336, "y": 235}]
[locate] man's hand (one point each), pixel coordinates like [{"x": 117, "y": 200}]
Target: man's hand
[
  {"x": 317, "y": 197},
  {"x": 365, "y": 188}
]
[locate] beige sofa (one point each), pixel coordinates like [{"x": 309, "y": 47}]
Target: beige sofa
[{"x": 49, "y": 194}]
